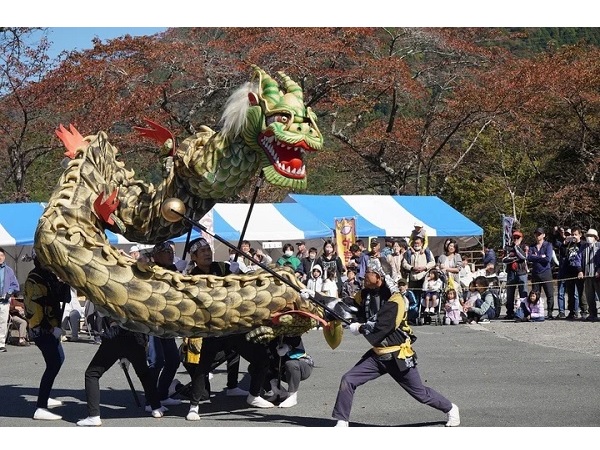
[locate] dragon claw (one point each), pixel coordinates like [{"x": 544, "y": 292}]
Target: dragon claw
[{"x": 71, "y": 139}]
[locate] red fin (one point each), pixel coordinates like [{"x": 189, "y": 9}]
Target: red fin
[
  {"x": 104, "y": 209},
  {"x": 156, "y": 132},
  {"x": 71, "y": 139}
]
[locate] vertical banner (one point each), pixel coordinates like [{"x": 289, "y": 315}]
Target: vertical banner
[
  {"x": 345, "y": 236},
  {"x": 507, "y": 227}
]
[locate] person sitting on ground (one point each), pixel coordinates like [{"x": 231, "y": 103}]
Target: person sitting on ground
[
  {"x": 483, "y": 310},
  {"x": 17, "y": 313},
  {"x": 289, "y": 357},
  {"x": 452, "y": 308},
  {"x": 472, "y": 297},
  {"x": 431, "y": 287},
  {"x": 530, "y": 309}
]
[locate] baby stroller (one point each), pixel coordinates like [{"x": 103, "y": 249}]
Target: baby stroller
[{"x": 436, "y": 317}]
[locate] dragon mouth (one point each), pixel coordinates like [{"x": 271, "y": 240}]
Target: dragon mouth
[{"x": 287, "y": 159}]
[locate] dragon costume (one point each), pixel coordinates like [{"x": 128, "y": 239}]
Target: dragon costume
[{"x": 265, "y": 128}]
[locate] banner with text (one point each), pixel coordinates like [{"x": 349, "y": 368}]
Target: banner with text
[{"x": 345, "y": 235}]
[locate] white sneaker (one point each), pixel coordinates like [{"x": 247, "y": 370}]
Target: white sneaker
[
  {"x": 292, "y": 400},
  {"x": 158, "y": 413},
  {"x": 53, "y": 402},
  {"x": 162, "y": 409},
  {"x": 170, "y": 402},
  {"x": 342, "y": 423},
  {"x": 236, "y": 392},
  {"x": 447, "y": 321},
  {"x": 258, "y": 402},
  {"x": 91, "y": 421},
  {"x": 193, "y": 414},
  {"x": 453, "y": 417},
  {"x": 44, "y": 414}
]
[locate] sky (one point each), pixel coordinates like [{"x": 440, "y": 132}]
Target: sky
[{"x": 80, "y": 38}]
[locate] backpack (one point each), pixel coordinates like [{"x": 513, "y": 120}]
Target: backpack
[
  {"x": 428, "y": 255},
  {"x": 573, "y": 256},
  {"x": 497, "y": 304}
]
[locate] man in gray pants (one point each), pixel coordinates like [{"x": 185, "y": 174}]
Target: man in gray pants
[{"x": 382, "y": 311}]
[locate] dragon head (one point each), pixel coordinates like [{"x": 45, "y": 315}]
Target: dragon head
[{"x": 280, "y": 128}]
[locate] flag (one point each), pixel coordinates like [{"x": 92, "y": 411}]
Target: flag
[
  {"x": 345, "y": 235},
  {"x": 507, "y": 229}
]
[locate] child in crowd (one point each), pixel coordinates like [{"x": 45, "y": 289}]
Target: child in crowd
[
  {"x": 412, "y": 308},
  {"x": 472, "y": 297},
  {"x": 453, "y": 308},
  {"x": 432, "y": 287},
  {"x": 530, "y": 309},
  {"x": 330, "y": 287},
  {"x": 315, "y": 282},
  {"x": 483, "y": 310},
  {"x": 350, "y": 287}
]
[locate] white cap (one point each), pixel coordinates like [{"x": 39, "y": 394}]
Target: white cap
[
  {"x": 418, "y": 224},
  {"x": 135, "y": 248}
]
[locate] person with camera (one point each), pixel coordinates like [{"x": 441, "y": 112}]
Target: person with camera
[
  {"x": 44, "y": 295},
  {"x": 8, "y": 286},
  {"x": 516, "y": 272}
]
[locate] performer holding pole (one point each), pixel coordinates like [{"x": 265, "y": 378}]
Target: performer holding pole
[
  {"x": 382, "y": 314},
  {"x": 118, "y": 343},
  {"x": 172, "y": 211},
  {"x": 43, "y": 294}
]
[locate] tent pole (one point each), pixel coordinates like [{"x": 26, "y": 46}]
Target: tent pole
[{"x": 259, "y": 183}]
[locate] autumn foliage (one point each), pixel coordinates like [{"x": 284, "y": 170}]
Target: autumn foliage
[{"x": 418, "y": 111}]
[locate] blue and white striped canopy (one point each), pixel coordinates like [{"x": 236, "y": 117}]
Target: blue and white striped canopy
[
  {"x": 386, "y": 215},
  {"x": 268, "y": 222}
]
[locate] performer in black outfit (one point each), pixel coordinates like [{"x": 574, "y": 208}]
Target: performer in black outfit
[
  {"x": 382, "y": 321},
  {"x": 214, "y": 349},
  {"x": 129, "y": 347}
]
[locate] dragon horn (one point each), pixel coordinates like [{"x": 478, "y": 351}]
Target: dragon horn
[
  {"x": 292, "y": 87},
  {"x": 268, "y": 88}
]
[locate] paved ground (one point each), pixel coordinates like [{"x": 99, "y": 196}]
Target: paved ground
[{"x": 502, "y": 374}]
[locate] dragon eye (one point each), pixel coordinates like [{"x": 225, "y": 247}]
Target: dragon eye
[{"x": 282, "y": 118}]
